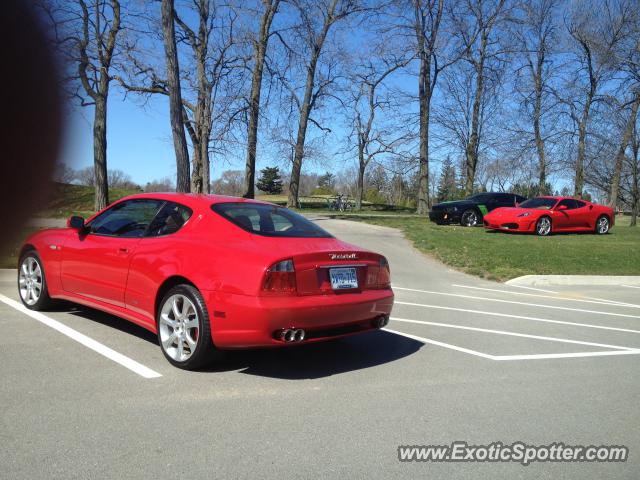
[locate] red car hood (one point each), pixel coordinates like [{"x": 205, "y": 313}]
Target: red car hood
[{"x": 505, "y": 214}]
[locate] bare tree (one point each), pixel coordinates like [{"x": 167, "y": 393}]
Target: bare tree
[
  {"x": 314, "y": 34},
  {"x": 260, "y": 44},
  {"x": 535, "y": 33},
  {"x": 596, "y": 29},
  {"x": 475, "y": 27},
  {"x": 628, "y": 53},
  {"x": 427, "y": 19},
  {"x": 373, "y": 140},
  {"x": 202, "y": 75},
  {"x": 89, "y": 41}
]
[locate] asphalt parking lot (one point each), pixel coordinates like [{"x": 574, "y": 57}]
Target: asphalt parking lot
[{"x": 462, "y": 359}]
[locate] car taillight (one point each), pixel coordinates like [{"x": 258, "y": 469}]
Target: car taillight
[
  {"x": 384, "y": 274},
  {"x": 280, "y": 278}
]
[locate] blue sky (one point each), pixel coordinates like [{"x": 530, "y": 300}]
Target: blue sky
[{"x": 138, "y": 138}]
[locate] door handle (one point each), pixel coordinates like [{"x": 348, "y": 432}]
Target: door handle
[{"x": 123, "y": 250}]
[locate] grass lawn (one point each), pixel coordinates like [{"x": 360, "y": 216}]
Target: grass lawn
[{"x": 502, "y": 256}]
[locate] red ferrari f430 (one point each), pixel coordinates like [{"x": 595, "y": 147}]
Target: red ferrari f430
[
  {"x": 545, "y": 215},
  {"x": 208, "y": 272}
]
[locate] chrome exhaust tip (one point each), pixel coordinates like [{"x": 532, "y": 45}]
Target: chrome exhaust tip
[
  {"x": 299, "y": 335},
  {"x": 381, "y": 321}
]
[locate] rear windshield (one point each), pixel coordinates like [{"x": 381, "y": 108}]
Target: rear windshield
[
  {"x": 269, "y": 220},
  {"x": 542, "y": 203}
]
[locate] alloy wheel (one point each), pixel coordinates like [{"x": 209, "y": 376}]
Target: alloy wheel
[
  {"x": 179, "y": 327},
  {"x": 30, "y": 280},
  {"x": 470, "y": 218},
  {"x": 544, "y": 226},
  {"x": 603, "y": 225}
]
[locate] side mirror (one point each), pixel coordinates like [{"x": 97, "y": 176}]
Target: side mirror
[
  {"x": 75, "y": 222},
  {"x": 562, "y": 207}
]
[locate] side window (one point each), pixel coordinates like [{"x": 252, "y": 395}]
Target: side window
[
  {"x": 126, "y": 219},
  {"x": 169, "y": 220},
  {"x": 506, "y": 200},
  {"x": 569, "y": 203},
  {"x": 579, "y": 204}
]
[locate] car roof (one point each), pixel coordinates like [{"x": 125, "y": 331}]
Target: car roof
[{"x": 192, "y": 199}]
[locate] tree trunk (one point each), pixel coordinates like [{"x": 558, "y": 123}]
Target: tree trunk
[
  {"x": 635, "y": 188},
  {"x": 196, "y": 169},
  {"x": 175, "y": 97},
  {"x": 582, "y": 139},
  {"x": 471, "y": 153},
  {"x": 424, "y": 92},
  {"x": 542, "y": 178},
  {"x": 305, "y": 109},
  {"x": 626, "y": 137},
  {"x": 260, "y": 50},
  {"x": 100, "y": 153},
  {"x": 361, "y": 168}
]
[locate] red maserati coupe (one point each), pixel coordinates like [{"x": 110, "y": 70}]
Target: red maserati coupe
[
  {"x": 544, "y": 215},
  {"x": 209, "y": 272}
]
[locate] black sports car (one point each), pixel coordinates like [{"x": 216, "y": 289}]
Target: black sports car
[{"x": 470, "y": 211}]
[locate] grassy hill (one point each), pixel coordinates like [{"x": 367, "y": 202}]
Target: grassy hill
[{"x": 66, "y": 200}]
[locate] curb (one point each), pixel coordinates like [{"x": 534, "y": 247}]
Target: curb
[{"x": 585, "y": 280}]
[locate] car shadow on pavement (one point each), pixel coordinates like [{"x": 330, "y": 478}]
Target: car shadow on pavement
[
  {"x": 318, "y": 360},
  {"x": 106, "y": 319},
  {"x": 301, "y": 362}
]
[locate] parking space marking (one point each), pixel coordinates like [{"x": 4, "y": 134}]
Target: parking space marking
[
  {"x": 545, "y": 356},
  {"x": 538, "y": 356},
  {"x": 88, "y": 342},
  {"x": 598, "y": 301},
  {"x": 514, "y": 334},
  {"x": 440, "y": 344},
  {"x": 554, "y": 307},
  {"x": 629, "y": 286},
  {"x": 521, "y": 317},
  {"x": 615, "y": 302},
  {"x": 532, "y": 288}
]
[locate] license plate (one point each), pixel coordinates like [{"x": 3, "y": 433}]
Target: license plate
[{"x": 342, "y": 278}]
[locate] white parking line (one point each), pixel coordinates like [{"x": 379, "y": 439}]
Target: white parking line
[
  {"x": 615, "y": 302},
  {"x": 598, "y": 301},
  {"x": 543, "y": 356},
  {"x": 84, "y": 340},
  {"x": 440, "y": 344},
  {"x": 554, "y": 307},
  {"x": 514, "y": 334},
  {"x": 522, "y": 317},
  {"x": 629, "y": 286},
  {"x": 535, "y": 289}
]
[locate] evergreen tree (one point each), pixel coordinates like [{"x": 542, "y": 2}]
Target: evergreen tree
[
  {"x": 326, "y": 181},
  {"x": 447, "y": 184},
  {"x": 270, "y": 181}
]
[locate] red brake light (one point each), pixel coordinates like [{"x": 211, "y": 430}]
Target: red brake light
[
  {"x": 384, "y": 274},
  {"x": 280, "y": 278}
]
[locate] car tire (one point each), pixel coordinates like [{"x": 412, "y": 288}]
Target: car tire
[
  {"x": 543, "y": 226},
  {"x": 470, "y": 218},
  {"x": 602, "y": 225},
  {"x": 182, "y": 314},
  {"x": 32, "y": 283}
]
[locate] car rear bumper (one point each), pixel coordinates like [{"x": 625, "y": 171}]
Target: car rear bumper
[{"x": 241, "y": 321}]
